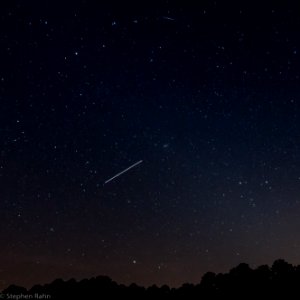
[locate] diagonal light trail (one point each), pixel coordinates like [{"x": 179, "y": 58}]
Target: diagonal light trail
[{"x": 117, "y": 175}]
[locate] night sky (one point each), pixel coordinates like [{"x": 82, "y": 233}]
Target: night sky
[{"x": 206, "y": 95}]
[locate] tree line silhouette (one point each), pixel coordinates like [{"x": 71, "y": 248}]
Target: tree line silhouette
[{"x": 280, "y": 279}]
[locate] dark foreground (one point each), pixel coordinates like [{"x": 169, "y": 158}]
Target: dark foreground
[{"x": 281, "y": 279}]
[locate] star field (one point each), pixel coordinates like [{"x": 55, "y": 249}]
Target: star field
[{"x": 207, "y": 95}]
